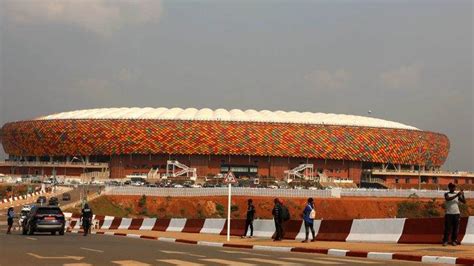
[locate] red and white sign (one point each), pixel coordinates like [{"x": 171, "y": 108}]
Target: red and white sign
[{"x": 230, "y": 178}]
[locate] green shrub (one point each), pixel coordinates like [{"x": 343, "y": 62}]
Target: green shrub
[
  {"x": 234, "y": 208},
  {"x": 220, "y": 209},
  {"x": 409, "y": 209},
  {"x": 142, "y": 202}
]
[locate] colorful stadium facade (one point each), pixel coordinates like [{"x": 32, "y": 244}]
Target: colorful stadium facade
[{"x": 135, "y": 140}]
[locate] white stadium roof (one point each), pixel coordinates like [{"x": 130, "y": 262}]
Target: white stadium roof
[{"x": 235, "y": 115}]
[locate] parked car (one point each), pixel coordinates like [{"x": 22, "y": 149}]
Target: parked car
[
  {"x": 41, "y": 200},
  {"x": 66, "y": 196},
  {"x": 53, "y": 201},
  {"x": 44, "y": 219}
]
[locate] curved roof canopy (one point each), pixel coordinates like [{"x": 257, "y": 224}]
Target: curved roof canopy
[{"x": 235, "y": 115}]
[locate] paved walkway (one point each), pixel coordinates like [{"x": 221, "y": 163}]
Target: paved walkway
[{"x": 465, "y": 251}]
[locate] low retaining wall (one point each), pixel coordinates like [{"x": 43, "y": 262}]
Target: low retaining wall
[
  {"x": 9, "y": 199},
  {"x": 412, "y": 231}
]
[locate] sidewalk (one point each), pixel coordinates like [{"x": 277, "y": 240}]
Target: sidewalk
[{"x": 462, "y": 251}]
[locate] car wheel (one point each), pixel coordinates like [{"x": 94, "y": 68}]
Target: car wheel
[
  {"x": 53, "y": 233},
  {"x": 61, "y": 232}
]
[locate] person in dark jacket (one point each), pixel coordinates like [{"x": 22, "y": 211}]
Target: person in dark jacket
[
  {"x": 308, "y": 220},
  {"x": 278, "y": 219},
  {"x": 453, "y": 214},
  {"x": 86, "y": 217},
  {"x": 10, "y": 216},
  {"x": 250, "y": 218}
]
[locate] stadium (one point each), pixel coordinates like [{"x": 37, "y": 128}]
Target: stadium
[{"x": 195, "y": 143}]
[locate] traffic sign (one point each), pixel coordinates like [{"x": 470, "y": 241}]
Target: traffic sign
[{"x": 229, "y": 178}]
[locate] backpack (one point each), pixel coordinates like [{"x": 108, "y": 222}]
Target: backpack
[
  {"x": 312, "y": 214},
  {"x": 285, "y": 213}
]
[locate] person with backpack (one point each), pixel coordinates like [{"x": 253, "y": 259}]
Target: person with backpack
[
  {"x": 250, "y": 218},
  {"x": 309, "y": 214},
  {"x": 278, "y": 219},
  {"x": 10, "y": 216}
]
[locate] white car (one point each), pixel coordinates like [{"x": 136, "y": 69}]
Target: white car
[
  {"x": 196, "y": 186},
  {"x": 178, "y": 186},
  {"x": 273, "y": 187}
]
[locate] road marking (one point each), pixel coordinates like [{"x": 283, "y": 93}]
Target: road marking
[
  {"x": 182, "y": 253},
  {"x": 52, "y": 258},
  {"x": 312, "y": 261},
  {"x": 31, "y": 238},
  {"x": 228, "y": 262},
  {"x": 243, "y": 252},
  {"x": 273, "y": 262},
  {"x": 93, "y": 250},
  {"x": 130, "y": 263},
  {"x": 349, "y": 260},
  {"x": 77, "y": 264},
  {"x": 180, "y": 262}
]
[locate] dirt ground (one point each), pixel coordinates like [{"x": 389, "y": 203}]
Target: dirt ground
[{"x": 215, "y": 207}]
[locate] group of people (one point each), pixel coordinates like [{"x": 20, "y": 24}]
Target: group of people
[{"x": 281, "y": 214}]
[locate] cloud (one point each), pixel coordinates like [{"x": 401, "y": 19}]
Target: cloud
[
  {"x": 324, "y": 79},
  {"x": 404, "y": 77},
  {"x": 98, "y": 16}
]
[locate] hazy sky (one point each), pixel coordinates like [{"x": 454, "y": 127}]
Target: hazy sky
[{"x": 407, "y": 61}]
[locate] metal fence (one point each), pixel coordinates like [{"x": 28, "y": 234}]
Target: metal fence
[
  {"x": 289, "y": 193},
  {"x": 203, "y": 192}
]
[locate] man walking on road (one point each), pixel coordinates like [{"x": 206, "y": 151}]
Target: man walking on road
[
  {"x": 250, "y": 218},
  {"x": 10, "y": 216},
  {"x": 452, "y": 216},
  {"x": 277, "y": 217},
  {"x": 86, "y": 219}
]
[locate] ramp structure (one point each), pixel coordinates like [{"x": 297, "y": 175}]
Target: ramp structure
[
  {"x": 177, "y": 169},
  {"x": 301, "y": 172}
]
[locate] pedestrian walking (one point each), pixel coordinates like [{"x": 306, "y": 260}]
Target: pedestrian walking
[
  {"x": 309, "y": 214},
  {"x": 452, "y": 216},
  {"x": 278, "y": 219},
  {"x": 10, "y": 216},
  {"x": 86, "y": 217},
  {"x": 250, "y": 218}
]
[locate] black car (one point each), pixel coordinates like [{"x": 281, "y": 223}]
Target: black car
[
  {"x": 66, "y": 196},
  {"x": 53, "y": 201},
  {"x": 44, "y": 219},
  {"x": 41, "y": 200}
]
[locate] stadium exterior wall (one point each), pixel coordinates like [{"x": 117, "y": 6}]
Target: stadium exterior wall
[{"x": 280, "y": 140}]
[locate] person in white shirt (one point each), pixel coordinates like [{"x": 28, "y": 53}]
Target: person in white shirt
[{"x": 452, "y": 216}]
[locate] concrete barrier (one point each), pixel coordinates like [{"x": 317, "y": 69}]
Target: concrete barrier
[
  {"x": 148, "y": 224},
  {"x": 263, "y": 228},
  {"x": 302, "y": 233},
  {"x": 427, "y": 230},
  {"x": 237, "y": 227},
  {"x": 125, "y": 223},
  {"x": 213, "y": 226},
  {"x": 376, "y": 230},
  {"x": 176, "y": 225},
  {"x": 193, "y": 225},
  {"x": 161, "y": 224},
  {"x": 469, "y": 235},
  {"x": 107, "y": 222},
  {"x": 334, "y": 230}
]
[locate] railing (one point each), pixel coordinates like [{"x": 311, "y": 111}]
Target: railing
[
  {"x": 52, "y": 164},
  {"x": 290, "y": 193},
  {"x": 423, "y": 172},
  {"x": 204, "y": 192}
]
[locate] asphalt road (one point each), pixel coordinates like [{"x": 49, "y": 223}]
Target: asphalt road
[{"x": 75, "y": 249}]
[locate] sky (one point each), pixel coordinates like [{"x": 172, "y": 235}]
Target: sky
[{"x": 405, "y": 61}]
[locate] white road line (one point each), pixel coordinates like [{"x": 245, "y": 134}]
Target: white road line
[
  {"x": 77, "y": 264},
  {"x": 129, "y": 263},
  {"x": 180, "y": 262},
  {"x": 317, "y": 261},
  {"x": 31, "y": 238},
  {"x": 273, "y": 262},
  {"x": 228, "y": 262},
  {"x": 93, "y": 250}
]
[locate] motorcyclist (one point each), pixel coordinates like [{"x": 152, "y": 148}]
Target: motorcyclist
[{"x": 86, "y": 218}]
